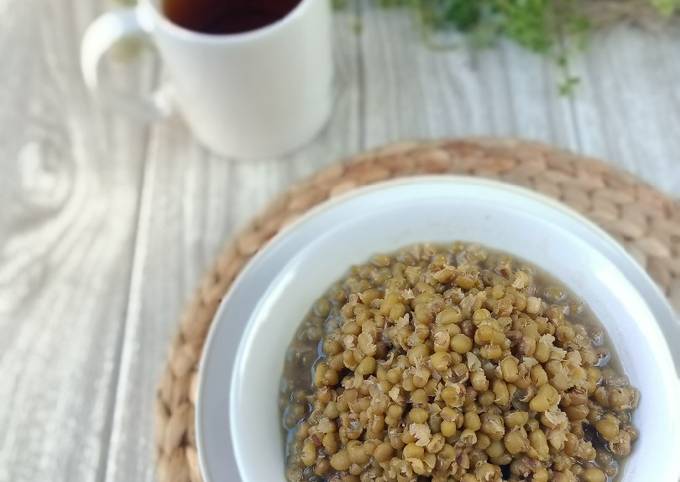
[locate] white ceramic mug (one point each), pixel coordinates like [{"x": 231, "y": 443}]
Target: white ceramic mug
[{"x": 258, "y": 93}]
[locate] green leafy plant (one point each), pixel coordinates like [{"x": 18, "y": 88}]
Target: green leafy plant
[
  {"x": 666, "y": 7},
  {"x": 554, "y": 28}
]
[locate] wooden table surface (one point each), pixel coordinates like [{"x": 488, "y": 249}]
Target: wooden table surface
[{"x": 107, "y": 223}]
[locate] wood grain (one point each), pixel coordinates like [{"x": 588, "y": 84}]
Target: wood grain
[
  {"x": 628, "y": 104},
  {"x": 69, "y": 185},
  {"x": 621, "y": 111},
  {"x": 414, "y": 91}
]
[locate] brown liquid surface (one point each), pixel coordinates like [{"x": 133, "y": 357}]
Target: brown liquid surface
[{"x": 226, "y": 16}]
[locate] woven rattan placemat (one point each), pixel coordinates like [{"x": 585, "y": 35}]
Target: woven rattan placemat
[{"x": 644, "y": 220}]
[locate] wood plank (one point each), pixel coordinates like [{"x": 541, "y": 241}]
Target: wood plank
[
  {"x": 627, "y": 107},
  {"x": 193, "y": 201},
  {"x": 413, "y": 91},
  {"x": 622, "y": 111},
  {"x": 69, "y": 187}
]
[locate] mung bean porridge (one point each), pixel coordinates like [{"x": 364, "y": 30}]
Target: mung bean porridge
[{"x": 453, "y": 362}]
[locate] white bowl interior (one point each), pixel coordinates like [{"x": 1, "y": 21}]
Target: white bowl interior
[{"x": 383, "y": 220}]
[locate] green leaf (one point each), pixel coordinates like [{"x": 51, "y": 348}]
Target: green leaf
[
  {"x": 526, "y": 22},
  {"x": 666, "y": 7},
  {"x": 465, "y": 15},
  {"x": 568, "y": 85}
]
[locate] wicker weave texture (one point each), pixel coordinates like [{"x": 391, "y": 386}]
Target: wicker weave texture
[{"x": 644, "y": 220}]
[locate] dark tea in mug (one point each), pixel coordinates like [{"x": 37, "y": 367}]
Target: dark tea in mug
[{"x": 226, "y": 16}]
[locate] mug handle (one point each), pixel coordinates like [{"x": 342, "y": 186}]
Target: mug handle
[{"x": 99, "y": 37}]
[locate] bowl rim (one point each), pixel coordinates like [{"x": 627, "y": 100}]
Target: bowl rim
[{"x": 651, "y": 295}]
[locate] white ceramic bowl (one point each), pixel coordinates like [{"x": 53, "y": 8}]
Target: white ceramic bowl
[{"x": 238, "y": 427}]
